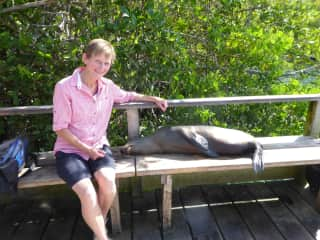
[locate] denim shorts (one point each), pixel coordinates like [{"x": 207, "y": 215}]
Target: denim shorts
[{"x": 72, "y": 167}]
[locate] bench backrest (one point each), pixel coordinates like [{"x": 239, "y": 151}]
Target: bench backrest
[{"x": 312, "y": 124}]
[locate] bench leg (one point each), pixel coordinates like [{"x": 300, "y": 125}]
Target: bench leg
[
  {"x": 166, "y": 181},
  {"x": 115, "y": 212},
  {"x": 317, "y": 202}
]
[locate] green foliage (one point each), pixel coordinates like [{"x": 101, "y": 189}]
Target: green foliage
[{"x": 175, "y": 49}]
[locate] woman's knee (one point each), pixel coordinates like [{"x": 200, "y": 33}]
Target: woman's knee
[
  {"x": 105, "y": 178},
  {"x": 85, "y": 190}
]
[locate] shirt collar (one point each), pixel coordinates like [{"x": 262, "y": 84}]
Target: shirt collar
[
  {"x": 79, "y": 82},
  {"x": 76, "y": 80}
]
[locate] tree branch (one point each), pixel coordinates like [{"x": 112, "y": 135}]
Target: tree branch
[
  {"x": 289, "y": 73},
  {"x": 301, "y": 71},
  {"x": 26, "y": 5}
]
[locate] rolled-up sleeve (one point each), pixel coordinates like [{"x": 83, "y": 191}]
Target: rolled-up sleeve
[
  {"x": 120, "y": 95},
  {"x": 61, "y": 108}
]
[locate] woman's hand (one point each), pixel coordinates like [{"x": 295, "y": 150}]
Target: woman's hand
[
  {"x": 95, "y": 153},
  {"x": 161, "y": 103}
]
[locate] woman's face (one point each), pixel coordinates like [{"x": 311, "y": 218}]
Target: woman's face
[{"x": 97, "y": 65}]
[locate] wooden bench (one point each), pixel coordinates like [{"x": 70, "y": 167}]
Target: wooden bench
[
  {"x": 44, "y": 174},
  {"x": 280, "y": 151}
]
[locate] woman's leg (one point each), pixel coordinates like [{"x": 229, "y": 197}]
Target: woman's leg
[
  {"x": 76, "y": 172},
  {"x": 90, "y": 208},
  {"x": 107, "y": 189}
]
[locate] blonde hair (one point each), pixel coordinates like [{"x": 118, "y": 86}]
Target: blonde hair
[{"x": 100, "y": 46}]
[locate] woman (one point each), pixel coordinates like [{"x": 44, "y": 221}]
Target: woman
[{"x": 82, "y": 105}]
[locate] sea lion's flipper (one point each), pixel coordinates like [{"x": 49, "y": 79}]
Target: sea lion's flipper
[
  {"x": 257, "y": 159},
  {"x": 202, "y": 144}
]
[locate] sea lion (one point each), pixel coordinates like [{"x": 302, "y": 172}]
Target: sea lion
[{"x": 207, "y": 140}]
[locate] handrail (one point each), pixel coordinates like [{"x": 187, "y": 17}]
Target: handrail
[
  {"x": 27, "y": 110},
  {"x": 189, "y": 102},
  {"x": 312, "y": 126}
]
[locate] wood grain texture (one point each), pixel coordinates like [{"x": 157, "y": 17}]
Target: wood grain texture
[
  {"x": 34, "y": 222},
  {"x": 179, "y": 228},
  {"x": 257, "y": 220},
  {"x": 274, "y": 212},
  {"x": 166, "y": 182},
  {"x": 282, "y": 217},
  {"x": 198, "y": 214},
  {"x": 307, "y": 215},
  {"x": 228, "y": 218},
  {"x": 47, "y": 175},
  {"x": 146, "y": 224},
  {"x": 64, "y": 214}
]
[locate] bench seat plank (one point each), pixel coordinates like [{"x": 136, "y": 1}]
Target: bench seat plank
[
  {"x": 164, "y": 164},
  {"x": 288, "y": 141},
  {"x": 47, "y": 175},
  {"x": 42, "y": 176},
  {"x": 278, "y": 152}
]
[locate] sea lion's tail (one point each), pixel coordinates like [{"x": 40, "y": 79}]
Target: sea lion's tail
[{"x": 257, "y": 158}]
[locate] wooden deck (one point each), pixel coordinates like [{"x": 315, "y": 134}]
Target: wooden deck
[{"x": 274, "y": 210}]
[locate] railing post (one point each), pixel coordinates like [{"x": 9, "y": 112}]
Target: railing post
[
  {"x": 312, "y": 127},
  {"x": 133, "y": 132},
  {"x": 133, "y": 123}
]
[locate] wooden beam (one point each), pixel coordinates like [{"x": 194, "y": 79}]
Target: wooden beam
[
  {"x": 133, "y": 123},
  {"x": 312, "y": 127},
  {"x": 166, "y": 181},
  {"x": 226, "y": 100},
  {"x": 47, "y": 175},
  {"x": 24, "y": 110},
  {"x": 133, "y": 132}
]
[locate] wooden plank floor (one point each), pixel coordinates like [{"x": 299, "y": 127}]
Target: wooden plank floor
[{"x": 258, "y": 211}]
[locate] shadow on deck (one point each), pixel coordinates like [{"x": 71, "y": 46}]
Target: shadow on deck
[{"x": 274, "y": 210}]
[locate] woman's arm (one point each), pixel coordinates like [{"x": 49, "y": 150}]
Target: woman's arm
[
  {"x": 160, "y": 102},
  {"x": 73, "y": 140}
]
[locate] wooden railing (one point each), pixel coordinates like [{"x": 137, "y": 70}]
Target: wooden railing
[{"x": 312, "y": 125}]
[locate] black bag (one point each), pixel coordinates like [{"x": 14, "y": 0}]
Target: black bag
[{"x": 13, "y": 156}]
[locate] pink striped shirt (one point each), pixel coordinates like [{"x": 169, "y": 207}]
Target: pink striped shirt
[{"x": 85, "y": 115}]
